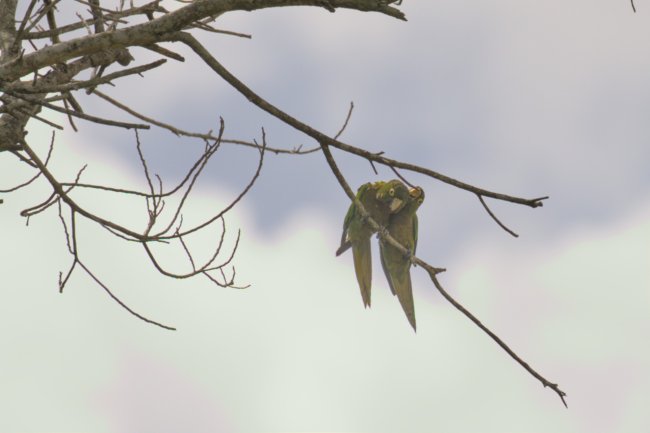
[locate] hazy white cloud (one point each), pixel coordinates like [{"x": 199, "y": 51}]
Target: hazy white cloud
[{"x": 297, "y": 351}]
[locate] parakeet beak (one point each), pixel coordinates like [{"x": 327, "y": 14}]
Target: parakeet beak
[
  {"x": 396, "y": 205},
  {"x": 415, "y": 192}
]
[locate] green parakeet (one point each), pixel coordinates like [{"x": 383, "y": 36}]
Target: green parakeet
[
  {"x": 403, "y": 226},
  {"x": 357, "y": 233}
]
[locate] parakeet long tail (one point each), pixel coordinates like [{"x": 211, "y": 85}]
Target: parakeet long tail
[
  {"x": 402, "y": 285},
  {"x": 384, "y": 266},
  {"x": 363, "y": 268}
]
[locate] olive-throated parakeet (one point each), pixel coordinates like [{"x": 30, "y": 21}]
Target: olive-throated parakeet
[
  {"x": 403, "y": 226},
  {"x": 357, "y": 232}
]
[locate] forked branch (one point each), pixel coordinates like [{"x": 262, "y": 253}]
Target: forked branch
[
  {"x": 432, "y": 271},
  {"x": 325, "y": 143},
  {"x": 322, "y": 138},
  {"x": 24, "y": 99},
  {"x": 216, "y": 263}
]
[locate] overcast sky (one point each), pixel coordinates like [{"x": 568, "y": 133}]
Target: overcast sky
[{"x": 521, "y": 97}]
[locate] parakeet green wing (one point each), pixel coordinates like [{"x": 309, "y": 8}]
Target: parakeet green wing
[
  {"x": 403, "y": 227},
  {"x": 345, "y": 244},
  {"x": 357, "y": 233},
  {"x": 396, "y": 192}
]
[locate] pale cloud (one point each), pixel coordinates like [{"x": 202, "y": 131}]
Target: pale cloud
[
  {"x": 581, "y": 303},
  {"x": 297, "y": 351}
]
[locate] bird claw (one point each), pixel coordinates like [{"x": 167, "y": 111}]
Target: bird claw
[
  {"x": 382, "y": 232},
  {"x": 410, "y": 257}
]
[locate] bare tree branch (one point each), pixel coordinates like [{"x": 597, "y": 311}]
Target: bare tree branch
[
  {"x": 208, "y": 136},
  {"x": 432, "y": 273},
  {"x": 35, "y": 75},
  {"x": 42, "y": 87},
  {"x": 150, "y": 32},
  {"x": 321, "y": 138},
  {"x": 493, "y": 336},
  {"x": 23, "y": 22},
  {"x": 109, "y": 16},
  {"x": 326, "y": 141},
  {"x": 80, "y": 115},
  {"x": 38, "y": 173},
  {"x": 487, "y": 209}
]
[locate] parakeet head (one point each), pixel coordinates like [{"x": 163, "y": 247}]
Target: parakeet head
[
  {"x": 395, "y": 193},
  {"x": 417, "y": 194}
]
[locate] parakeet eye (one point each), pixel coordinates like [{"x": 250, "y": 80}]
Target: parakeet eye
[{"x": 391, "y": 192}]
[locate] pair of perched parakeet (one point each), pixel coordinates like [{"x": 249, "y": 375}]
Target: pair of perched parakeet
[{"x": 393, "y": 206}]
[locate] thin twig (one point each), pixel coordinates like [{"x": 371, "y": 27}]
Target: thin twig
[
  {"x": 347, "y": 120},
  {"x": 70, "y": 120},
  {"x": 209, "y": 152},
  {"x": 51, "y": 22},
  {"x": 83, "y": 116},
  {"x": 208, "y": 28},
  {"x": 37, "y": 175},
  {"x": 56, "y": 186},
  {"x": 144, "y": 163},
  {"x": 109, "y": 16},
  {"x": 119, "y": 301},
  {"x": 165, "y": 52},
  {"x": 40, "y": 119},
  {"x": 237, "y": 199},
  {"x": 23, "y": 23},
  {"x": 76, "y": 85},
  {"x": 485, "y": 206},
  {"x": 187, "y": 252},
  {"x": 72, "y": 247},
  {"x": 493, "y": 336},
  {"x": 402, "y": 178},
  {"x": 71, "y": 241},
  {"x": 178, "y": 233},
  {"x": 178, "y": 131},
  {"x": 97, "y": 15},
  {"x": 44, "y": 11}
]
